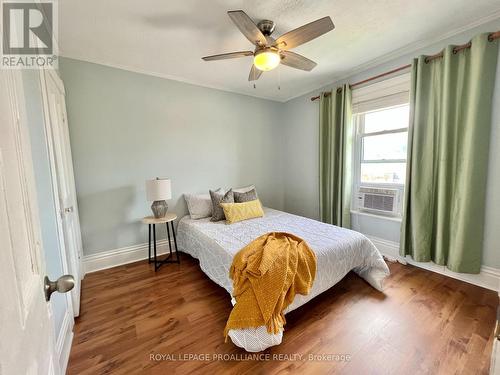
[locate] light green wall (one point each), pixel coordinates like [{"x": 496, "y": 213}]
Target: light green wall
[
  {"x": 127, "y": 127},
  {"x": 301, "y": 153}
]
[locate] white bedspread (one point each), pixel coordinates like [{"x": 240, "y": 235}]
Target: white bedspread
[{"x": 338, "y": 251}]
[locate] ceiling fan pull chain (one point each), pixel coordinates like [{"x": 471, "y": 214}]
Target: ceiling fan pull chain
[{"x": 279, "y": 79}]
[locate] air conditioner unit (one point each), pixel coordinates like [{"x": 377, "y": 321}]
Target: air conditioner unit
[{"x": 378, "y": 200}]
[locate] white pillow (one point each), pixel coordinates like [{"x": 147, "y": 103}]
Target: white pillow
[
  {"x": 199, "y": 205},
  {"x": 244, "y": 189}
]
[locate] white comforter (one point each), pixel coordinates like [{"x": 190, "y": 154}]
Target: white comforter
[{"x": 338, "y": 251}]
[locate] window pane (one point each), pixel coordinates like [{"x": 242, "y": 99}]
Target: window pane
[
  {"x": 386, "y": 173},
  {"x": 385, "y": 146},
  {"x": 387, "y": 119}
]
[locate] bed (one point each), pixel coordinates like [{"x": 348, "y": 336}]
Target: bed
[{"x": 337, "y": 250}]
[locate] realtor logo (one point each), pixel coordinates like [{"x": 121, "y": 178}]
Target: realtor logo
[{"x": 28, "y": 35}]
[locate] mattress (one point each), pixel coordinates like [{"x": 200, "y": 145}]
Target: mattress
[{"x": 337, "y": 250}]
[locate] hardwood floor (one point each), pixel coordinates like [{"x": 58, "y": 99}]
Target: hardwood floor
[{"x": 425, "y": 323}]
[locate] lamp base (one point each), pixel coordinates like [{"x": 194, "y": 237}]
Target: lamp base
[{"x": 159, "y": 209}]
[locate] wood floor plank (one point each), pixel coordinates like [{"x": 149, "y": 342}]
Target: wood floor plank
[{"x": 424, "y": 323}]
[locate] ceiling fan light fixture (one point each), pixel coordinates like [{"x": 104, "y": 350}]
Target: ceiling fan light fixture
[
  {"x": 270, "y": 52},
  {"x": 266, "y": 60}
]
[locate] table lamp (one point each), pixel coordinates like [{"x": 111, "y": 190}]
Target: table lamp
[{"x": 158, "y": 191}]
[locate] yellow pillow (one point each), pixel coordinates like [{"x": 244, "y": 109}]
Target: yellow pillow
[{"x": 235, "y": 212}]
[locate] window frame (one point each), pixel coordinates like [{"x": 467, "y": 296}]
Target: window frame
[
  {"x": 359, "y": 159},
  {"x": 363, "y": 135},
  {"x": 390, "y": 93}
]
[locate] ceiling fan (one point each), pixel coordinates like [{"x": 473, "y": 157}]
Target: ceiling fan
[{"x": 270, "y": 52}]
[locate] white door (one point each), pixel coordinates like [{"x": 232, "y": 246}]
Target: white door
[
  {"x": 495, "y": 359},
  {"x": 63, "y": 177},
  {"x": 495, "y": 356},
  {"x": 27, "y": 343}
]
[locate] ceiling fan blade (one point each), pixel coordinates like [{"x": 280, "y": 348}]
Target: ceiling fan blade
[
  {"x": 247, "y": 27},
  {"x": 305, "y": 33},
  {"x": 254, "y": 73},
  {"x": 230, "y": 55},
  {"x": 294, "y": 60}
]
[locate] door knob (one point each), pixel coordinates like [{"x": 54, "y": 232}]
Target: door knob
[{"x": 62, "y": 285}]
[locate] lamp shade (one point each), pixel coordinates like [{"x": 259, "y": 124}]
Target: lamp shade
[{"x": 158, "y": 189}]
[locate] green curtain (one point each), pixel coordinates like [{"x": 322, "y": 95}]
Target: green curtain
[
  {"x": 335, "y": 156},
  {"x": 448, "y": 145}
]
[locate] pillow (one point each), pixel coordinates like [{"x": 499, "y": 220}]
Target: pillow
[
  {"x": 248, "y": 196},
  {"x": 199, "y": 205},
  {"x": 235, "y": 212},
  {"x": 244, "y": 189},
  {"x": 217, "y": 199}
]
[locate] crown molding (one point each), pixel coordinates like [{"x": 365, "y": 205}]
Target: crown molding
[
  {"x": 397, "y": 53},
  {"x": 168, "y": 76},
  {"x": 405, "y": 50}
]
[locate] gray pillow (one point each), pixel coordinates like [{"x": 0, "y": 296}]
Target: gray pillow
[
  {"x": 243, "y": 189},
  {"x": 199, "y": 205},
  {"x": 245, "y": 197},
  {"x": 217, "y": 199}
]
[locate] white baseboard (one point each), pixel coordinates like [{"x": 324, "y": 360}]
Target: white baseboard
[
  {"x": 118, "y": 257},
  {"x": 488, "y": 278},
  {"x": 64, "y": 341}
]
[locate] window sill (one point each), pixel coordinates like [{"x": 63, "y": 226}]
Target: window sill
[{"x": 397, "y": 219}]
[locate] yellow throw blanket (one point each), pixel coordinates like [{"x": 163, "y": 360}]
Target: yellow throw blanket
[{"x": 266, "y": 275}]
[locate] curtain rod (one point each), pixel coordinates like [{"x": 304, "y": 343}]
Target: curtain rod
[
  {"x": 370, "y": 79},
  {"x": 491, "y": 38}
]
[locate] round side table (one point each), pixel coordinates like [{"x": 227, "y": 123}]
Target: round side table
[{"x": 152, "y": 221}]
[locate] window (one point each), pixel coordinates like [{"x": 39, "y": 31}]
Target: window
[
  {"x": 383, "y": 136},
  {"x": 381, "y": 117}
]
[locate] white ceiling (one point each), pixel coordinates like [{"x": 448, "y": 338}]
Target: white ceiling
[{"x": 168, "y": 38}]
